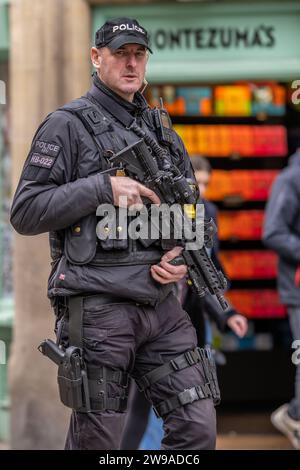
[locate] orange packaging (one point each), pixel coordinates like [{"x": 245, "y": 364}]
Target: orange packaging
[
  {"x": 213, "y": 140},
  {"x": 205, "y": 107},
  {"x": 194, "y": 136},
  {"x": 256, "y": 303},
  {"x": 254, "y": 264},
  {"x": 223, "y": 142},
  {"x": 233, "y": 100},
  {"x": 189, "y": 139},
  {"x": 246, "y": 141},
  {"x": 203, "y": 142},
  {"x": 219, "y": 186},
  {"x": 240, "y": 225},
  {"x": 279, "y": 95},
  {"x": 179, "y": 107}
]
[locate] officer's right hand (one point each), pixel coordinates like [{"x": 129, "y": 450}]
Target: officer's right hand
[{"x": 132, "y": 192}]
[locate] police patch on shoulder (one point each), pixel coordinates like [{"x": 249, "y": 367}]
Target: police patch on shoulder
[
  {"x": 46, "y": 148},
  {"x": 41, "y": 160},
  {"x": 44, "y": 161}
]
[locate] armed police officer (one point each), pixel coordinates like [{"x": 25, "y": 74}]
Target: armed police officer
[{"x": 116, "y": 314}]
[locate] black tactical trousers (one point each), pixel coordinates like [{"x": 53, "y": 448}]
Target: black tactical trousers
[{"x": 136, "y": 339}]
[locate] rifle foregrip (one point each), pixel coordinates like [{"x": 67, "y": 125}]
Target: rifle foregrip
[
  {"x": 177, "y": 261},
  {"x": 224, "y": 304}
]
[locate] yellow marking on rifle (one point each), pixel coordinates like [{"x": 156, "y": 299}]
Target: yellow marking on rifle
[{"x": 189, "y": 210}]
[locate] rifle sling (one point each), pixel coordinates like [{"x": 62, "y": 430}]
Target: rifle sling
[{"x": 114, "y": 108}]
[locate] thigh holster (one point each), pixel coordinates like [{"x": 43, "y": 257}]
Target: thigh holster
[
  {"x": 83, "y": 388},
  {"x": 98, "y": 379},
  {"x": 210, "y": 389}
]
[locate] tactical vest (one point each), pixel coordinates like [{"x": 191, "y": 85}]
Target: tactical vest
[{"x": 81, "y": 244}]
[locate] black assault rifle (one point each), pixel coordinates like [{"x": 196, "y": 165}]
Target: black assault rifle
[{"x": 166, "y": 180}]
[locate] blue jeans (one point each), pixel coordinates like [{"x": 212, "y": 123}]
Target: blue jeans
[{"x": 294, "y": 405}]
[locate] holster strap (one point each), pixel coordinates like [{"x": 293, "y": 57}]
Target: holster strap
[
  {"x": 97, "y": 384},
  {"x": 113, "y": 404},
  {"x": 187, "y": 359},
  {"x": 101, "y": 374},
  {"x": 183, "y": 398}
]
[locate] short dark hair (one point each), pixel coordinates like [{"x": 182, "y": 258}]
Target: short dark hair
[{"x": 201, "y": 164}]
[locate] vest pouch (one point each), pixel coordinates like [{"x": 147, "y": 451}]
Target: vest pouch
[
  {"x": 112, "y": 232},
  {"x": 118, "y": 244},
  {"x": 81, "y": 240}
]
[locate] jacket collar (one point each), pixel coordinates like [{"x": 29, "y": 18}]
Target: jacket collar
[{"x": 138, "y": 105}]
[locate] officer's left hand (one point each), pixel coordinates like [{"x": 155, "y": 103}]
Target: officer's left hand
[
  {"x": 238, "y": 324},
  {"x": 165, "y": 272}
]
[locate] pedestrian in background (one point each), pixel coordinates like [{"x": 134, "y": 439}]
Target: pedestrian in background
[{"x": 282, "y": 234}]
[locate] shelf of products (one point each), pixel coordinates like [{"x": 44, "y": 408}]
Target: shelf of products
[
  {"x": 223, "y": 140},
  {"x": 257, "y": 303},
  {"x": 248, "y": 185},
  {"x": 242, "y": 99},
  {"x": 249, "y": 264},
  {"x": 240, "y": 225}
]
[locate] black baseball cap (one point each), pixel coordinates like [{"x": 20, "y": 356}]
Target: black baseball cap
[{"x": 119, "y": 31}]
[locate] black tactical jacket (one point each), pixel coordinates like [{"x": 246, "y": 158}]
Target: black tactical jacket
[{"x": 61, "y": 187}]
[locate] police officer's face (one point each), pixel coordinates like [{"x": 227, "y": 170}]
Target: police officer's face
[{"x": 122, "y": 70}]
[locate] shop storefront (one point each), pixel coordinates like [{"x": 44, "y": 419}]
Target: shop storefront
[{"x": 226, "y": 42}]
